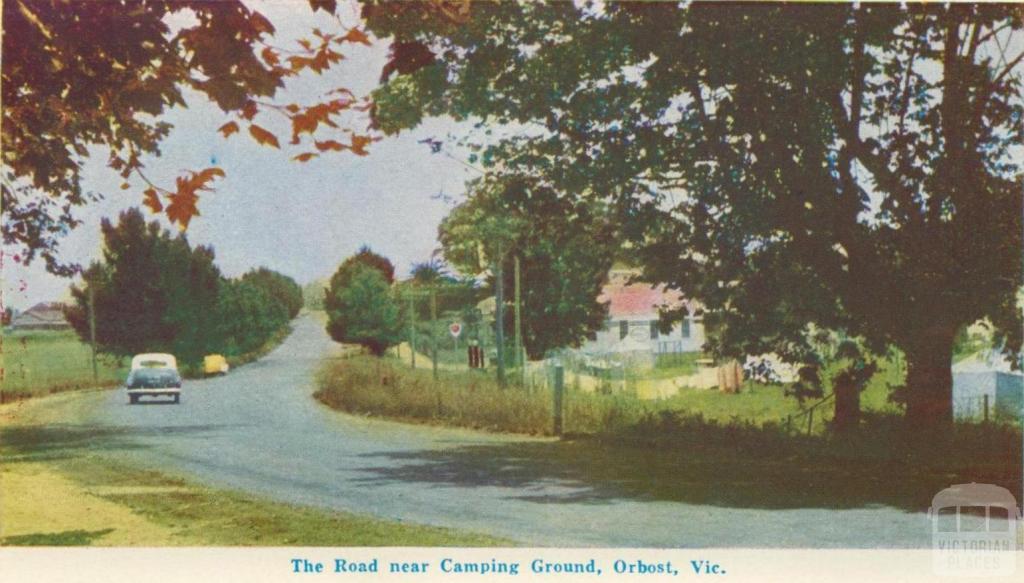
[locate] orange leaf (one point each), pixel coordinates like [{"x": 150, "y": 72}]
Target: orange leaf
[
  {"x": 249, "y": 110},
  {"x": 270, "y": 56},
  {"x": 228, "y": 128},
  {"x": 182, "y": 208},
  {"x": 305, "y": 156},
  {"x": 125, "y": 186},
  {"x": 359, "y": 144},
  {"x": 152, "y": 200},
  {"x": 263, "y": 137},
  {"x": 303, "y": 123},
  {"x": 330, "y": 145},
  {"x": 298, "y": 63},
  {"x": 357, "y": 36},
  {"x": 208, "y": 174},
  {"x": 261, "y": 24}
]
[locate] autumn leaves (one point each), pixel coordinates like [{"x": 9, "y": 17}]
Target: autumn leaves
[
  {"x": 308, "y": 123},
  {"x": 182, "y": 203}
]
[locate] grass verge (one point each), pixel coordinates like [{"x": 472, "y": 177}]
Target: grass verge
[
  {"x": 54, "y": 491},
  {"x": 40, "y": 363},
  {"x": 465, "y": 398},
  {"x": 701, "y": 446}
]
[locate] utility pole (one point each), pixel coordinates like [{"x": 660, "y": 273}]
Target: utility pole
[
  {"x": 412, "y": 327},
  {"x": 520, "y": 357},
  {"x": 499, "y": 315},
  {"x": 433, "y": 327},
  {"x": 92, "y": 330}
]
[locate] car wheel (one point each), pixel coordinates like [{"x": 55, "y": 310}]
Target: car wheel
[
  {"x": 177, "y": 399},
  {"x": 133, "y": 399}
]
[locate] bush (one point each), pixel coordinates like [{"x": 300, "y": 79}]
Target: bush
[
  {"x": 282, "y": 289},
  {"x": 360, "y": 310}
]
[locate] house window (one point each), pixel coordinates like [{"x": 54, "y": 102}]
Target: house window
[
  {"x": 685, "y": 329},
  {"x": 654, "y": 329},
  {"x": 623, "y": 329}
]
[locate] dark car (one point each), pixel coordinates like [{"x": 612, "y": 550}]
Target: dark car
[{"x": 153, "y": 382}]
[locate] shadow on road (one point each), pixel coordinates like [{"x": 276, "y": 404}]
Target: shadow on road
[
  {"x": 584, "y": 471},
  {"x": 60, "y": 441}
]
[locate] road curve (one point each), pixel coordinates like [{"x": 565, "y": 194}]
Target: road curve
[{"x": 258, "y": 429}]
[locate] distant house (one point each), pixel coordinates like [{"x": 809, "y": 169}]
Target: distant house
[
  {"x": 632, "y": 324},
  {"x": 987, "y": 378},
  {"x": 42, "y": 316}
]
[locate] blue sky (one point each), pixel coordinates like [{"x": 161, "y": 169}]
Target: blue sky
[{"x": 300, "y": 219}]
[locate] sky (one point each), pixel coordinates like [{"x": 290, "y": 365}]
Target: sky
[{"x": 301, "y": 219}]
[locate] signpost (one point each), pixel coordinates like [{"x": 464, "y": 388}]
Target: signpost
[{"x": 455, "y": 329}]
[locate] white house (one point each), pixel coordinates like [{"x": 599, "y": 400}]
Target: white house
[
  {"x": 987, "y": 378},
  {"x": 632, "y": 324}
]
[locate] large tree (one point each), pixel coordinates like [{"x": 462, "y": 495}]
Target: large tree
[
  {"x": 77, "y": 75},
  {"x": 360, "y": 308},
  {"x": 565, "y": 248},
  {"x": 858, "y": 167},
  {"x": 363, "y": 311},
  {"x": 151, "y": 292}
]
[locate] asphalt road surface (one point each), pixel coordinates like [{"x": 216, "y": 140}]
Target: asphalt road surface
[{"x": 258, "y": 429}]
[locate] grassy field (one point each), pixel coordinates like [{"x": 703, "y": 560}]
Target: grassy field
[
  {"x": 40, "y": 363},
  {"x": 44, "y": 362},
  {"x": 54, "y": 490}
]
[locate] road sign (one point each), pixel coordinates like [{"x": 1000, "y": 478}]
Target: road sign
[{"x": 455, "y": 328}]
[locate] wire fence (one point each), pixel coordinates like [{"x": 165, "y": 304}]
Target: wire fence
[{"x": 984, "y": 408}]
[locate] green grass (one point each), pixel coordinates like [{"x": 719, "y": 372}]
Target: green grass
[
  {"x": 209, "y": 516},
  {"x": 702, "y": 446},
  {"x": 675, "y": 365},
  {"x": 176, "y": 511},
  {"x": 384, "y": 386},
  {"x": 40, "y": 363},
  {"x": 366, "y": 385},
  {"x": 44, "y": 362}
]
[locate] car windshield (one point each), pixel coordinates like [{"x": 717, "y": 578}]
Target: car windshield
[{"x": 153, "y": 376}]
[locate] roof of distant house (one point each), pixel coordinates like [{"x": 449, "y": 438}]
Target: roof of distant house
[
  {"x": 44, "y": 312},
  {"x": 626, "y": 298}
]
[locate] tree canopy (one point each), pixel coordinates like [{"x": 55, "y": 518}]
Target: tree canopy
[
  {"x": 154, "y": 292},
  {"x": 857, "y": 167},
  {"x": 362, "y": 311},
  {"x": 564, "y": 256},
  {"x": 104, "y": 74}
]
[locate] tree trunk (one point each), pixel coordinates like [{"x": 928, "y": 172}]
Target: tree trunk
[
  {"x": 847, "y": 411},
  {"x": 930, "y": 380}
]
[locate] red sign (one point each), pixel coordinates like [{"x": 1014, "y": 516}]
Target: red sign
[{"x": 455, "y": 328}]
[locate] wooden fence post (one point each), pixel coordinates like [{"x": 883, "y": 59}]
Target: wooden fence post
[{"x": 559, "y": 389}]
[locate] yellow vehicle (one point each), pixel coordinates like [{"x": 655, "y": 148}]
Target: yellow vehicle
[{"x": 215, "y": 364}]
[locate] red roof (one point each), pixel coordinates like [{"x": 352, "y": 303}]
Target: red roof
[{"x": 639, "y": 299}]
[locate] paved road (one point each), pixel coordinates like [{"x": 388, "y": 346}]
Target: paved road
[{"x": 257, "y": 429}]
